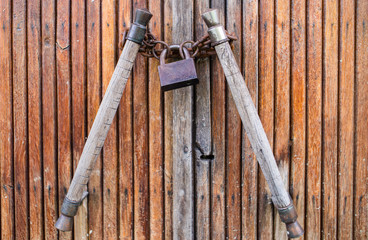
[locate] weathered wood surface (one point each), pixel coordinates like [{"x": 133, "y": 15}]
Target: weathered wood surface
[
  {"x": 79, "y": 113},
  {"x": 6, "y": 121},
  {"x": 360, "y": 228},
  {"x": 234, "y": 133},
  {"x": 182, "y": 141},
  {"x": 282, "y": 101},
  {"x": 314, "y": 119},
  {"x": 141, "y": 145},
  {"x": 298, "y": 108},
  {"x": 34, "y": 121},
  {"x": 49, "y": 121},
  {"x": 125, "y": 146},
  {"x": 20, "y": 121},
  {"x": 94, "y": 89},
  {"x": 203, "y": 140},
  {"x": 249, "y": 179},
  {"x": 63, "y": 100},
  {"x": 218, "y": 164},
  {"x": 306, "y": 71},
  {"x": 330, "y": 148},
  {"x": 155, "y": 126},
  {"x": 346, "y": 120},
  {"x": 266, "y": 104}
]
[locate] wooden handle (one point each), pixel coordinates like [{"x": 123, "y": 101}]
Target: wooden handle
[
  {"x": 253, "y": 125},
  {"x": 103, "y": 120}
]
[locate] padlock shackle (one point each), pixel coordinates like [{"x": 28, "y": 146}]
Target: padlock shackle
[{"x": 173, "y": 47}]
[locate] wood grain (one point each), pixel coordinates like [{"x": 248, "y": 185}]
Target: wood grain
[
  {"x": 298, "y": 108},
  {"x": 346, "y": 119},
  {"x": 125, "y": 126},
  {"x": 218, "y": 173},
  {"x": 311, "y": 61},
  {"x": 110, "y": 151},
  {"x": 168, "y": 132},
  {"x": 140, "y": 144},
  {"x": 95, "y": 204},
  {"x": 360, "y": 228},
  {"x": 233, "y": 131},
  {"x": 6, "y": 131},
  {"x": 183, "y": 227},
  {"x": 63, "y": 78},
  {"x": 282, "y": 101},
  {"x": 330, "y": 118},
  {"x": 203, "y": 138},
  {"x": 103, "y": 120},
  {"x": 49, "y": 120},
  {"x": 249, "y": 161},
  {"x": 155, "y": 126},
  {"x": 266, "y": 108},
  {"x": 21, "y": 163},
  {"x": 314, "y": 119},
  {"x": 79, "y": 113},
  {"x": 34, "y": 121}
]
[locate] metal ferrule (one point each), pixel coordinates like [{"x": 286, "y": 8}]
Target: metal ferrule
[
  {"x": 69, "y": 208},
  {"x": 289, "y": 216},
  {"x": 136, "y": 33},
  {"x": 217, "y": 35},
  {"x": 215, "y": 30},
  {"x": 138, "y": 28}
]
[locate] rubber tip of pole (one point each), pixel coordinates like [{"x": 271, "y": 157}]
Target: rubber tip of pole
[
  {"x": 294, "y": 230},
  {"x": 211, "y": 18},
  {"x": 64, "y": 223},
  {"x": 142, "y": 16}
]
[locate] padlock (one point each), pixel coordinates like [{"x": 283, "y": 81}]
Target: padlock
[{"x": 177, "y": 74}]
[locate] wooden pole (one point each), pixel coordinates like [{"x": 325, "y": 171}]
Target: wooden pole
[
  {"x": 102, "y": 122},
  {"x": 252, "y": 124}
]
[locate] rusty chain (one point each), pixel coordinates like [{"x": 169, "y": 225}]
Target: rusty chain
[{"x": 200, "y": 49}]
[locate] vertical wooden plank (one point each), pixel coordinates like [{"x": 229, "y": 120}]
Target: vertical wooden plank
[
  {"x": 49, "y": 121},
  {"x": 168, "y": 132},
  {"x": 140, "y": 128},
  {"x": 95, "y": 218},
  {"x": 266, "y": 109},
  {"x": 298, "y": 107},
  {"x": 34, "y": 120},
  {"x": 110, "y": 152},
  {"x": 361, "y": 130},
  {"x": 63, "y": 74},
  {"x": 20, "y": 119},
  {"x": 249, "y": 161},
  {"x": 203, "y": 145},
  {"x": 78, "y": 55},
  {"x": 183, "y": 226},
  {"x": 218, "y": 101},
  {"x": 233, "y": 129},
  {"x": 155, "y": 126},
  {"x": 314, "y": 109},
  {"x": 125, "y": 140},
  {"x": 6, "y": 131},
  {"x": 346, "y": 120},
  {"x": 282, "y": 101},
  {"x": 330, "y": 150}
]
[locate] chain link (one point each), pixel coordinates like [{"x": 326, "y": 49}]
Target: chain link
[{"x": 200, "y": 49}]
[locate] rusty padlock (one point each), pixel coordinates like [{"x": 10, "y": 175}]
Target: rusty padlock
[{"x": 177, "y": 74}]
